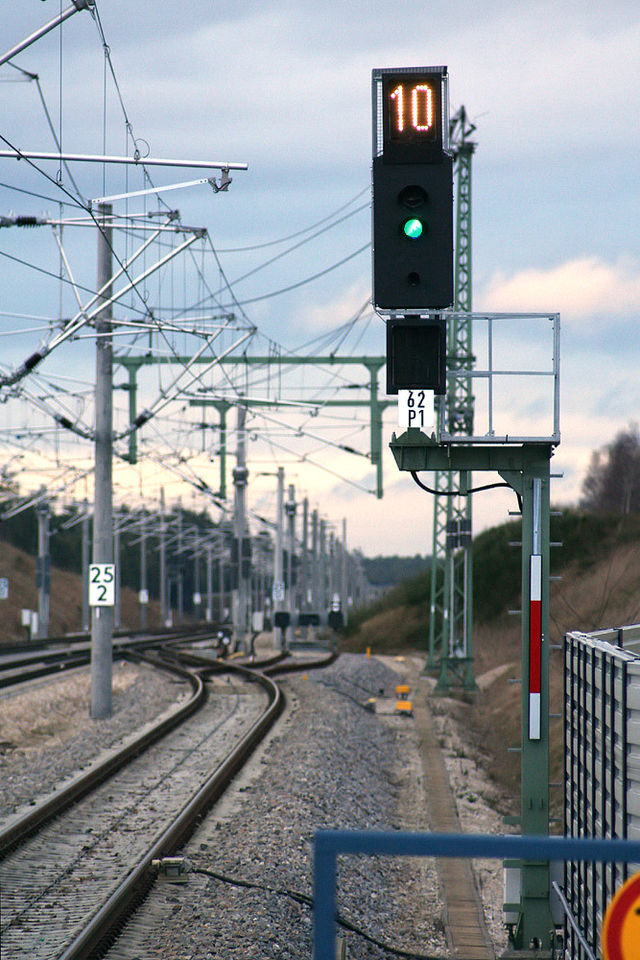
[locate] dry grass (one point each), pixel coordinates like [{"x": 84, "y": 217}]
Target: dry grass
[
  {"x": 603, "y": 595},
  {"x": 387, "y": 631},
  {"x": 66, "y": 598}
]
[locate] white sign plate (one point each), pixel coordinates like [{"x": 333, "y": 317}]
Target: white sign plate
[
  {"x": 277, "y": 591},
  {"x": 102, "y": 584},
  {"x": 4, "y": 588},
  {"x": 415, "y": 409}
]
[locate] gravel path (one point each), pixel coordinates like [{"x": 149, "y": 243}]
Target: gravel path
[
  {"x": 46, "y": 733},
  {"x": 477, "y": 801}
]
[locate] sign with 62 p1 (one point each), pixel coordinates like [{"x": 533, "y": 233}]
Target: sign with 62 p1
[
  {"x": 415, "y": 409},
  {"x": 102, "y": 584}
]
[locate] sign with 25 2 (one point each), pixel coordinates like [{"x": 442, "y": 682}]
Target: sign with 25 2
[{"x": 102, "y": 584}]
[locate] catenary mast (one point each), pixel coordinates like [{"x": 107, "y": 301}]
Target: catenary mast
[{"x": 450, "y": 625}]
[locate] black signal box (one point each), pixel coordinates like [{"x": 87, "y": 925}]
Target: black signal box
[
  {"x": 412, "y": 234},
  {"x": 417, "y": 354}
]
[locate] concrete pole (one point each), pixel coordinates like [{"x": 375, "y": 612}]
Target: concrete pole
[
  {"x": 221, "y": 596},
  {"x": 43, "y": 572},
  {"x": 116, "y": 555},
  {"x": 240, "y": 475},
  {"x": 258, "y": 605},
  {"x": 290, "y": 509},
  {"x": 102, "y": 617},
  {"x": 344, "y": 588},
  {"x": 163, "y": 563},
  {"x": 267, "y": 576},
  {"x": 180, "y": 599},
  {"x": 315, "y": 564},
  {"x": 209, "y": 575},
  {"x": 332, "y": 570},
  {"x": 264, "y": 560},
  {"x": 304, "y": 592},
  {"x": 323, "y": 571},
  {"x": 197, "y": 595},
  {"x": 304, "y": 560},
  {"x": 86, "y": 622},
  {"x": 144, "y": 592},
  {"x": 278, "y": 564}
]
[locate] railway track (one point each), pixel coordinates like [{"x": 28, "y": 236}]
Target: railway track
[
  {"x": 22, "y": 662},
  {"x": 19, "y": 827},
  {"x": 71, "y": 880},
  {"x": 248, "y": 891},
  {"x": 74, "y": 868}
]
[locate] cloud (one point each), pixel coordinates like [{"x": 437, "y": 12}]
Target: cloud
[
  {"x": 345, "y": 306},
  {"x": 582, "y": 287}
]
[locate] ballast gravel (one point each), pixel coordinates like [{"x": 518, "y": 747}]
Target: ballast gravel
[
  {"x": 329, "y": 763},
  {"x": 46, "y": 733},
  {"x": 332, "y": 763}
]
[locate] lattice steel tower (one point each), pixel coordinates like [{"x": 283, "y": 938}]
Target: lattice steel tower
[{"x": 450, "y": 625}]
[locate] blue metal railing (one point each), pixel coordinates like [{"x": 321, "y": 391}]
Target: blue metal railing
[{"x": 329, "y": 844}]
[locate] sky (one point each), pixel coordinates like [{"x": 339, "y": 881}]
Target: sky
[{"x": 553, "y": 90}]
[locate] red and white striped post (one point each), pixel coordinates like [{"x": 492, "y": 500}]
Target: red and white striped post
[
  {"x": 535, "y": 644},
  {"x": 534, "y": 915},
  {"x": 535, "y": 612}
]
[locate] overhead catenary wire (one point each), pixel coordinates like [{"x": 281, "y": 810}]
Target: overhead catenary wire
[
  {"x": 300, "y": 283},
  {"x": 298, "y": 233},
  {"x": 321, "y": 466},
  {"x": 66, "y": 416},
  {"x": 87, "y": 208},
  {"x": 83, "y": 317},
  {"x": 34, "y": 78},
  {"x": 296, "y": 246}
]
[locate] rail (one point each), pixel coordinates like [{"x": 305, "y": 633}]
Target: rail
[
  {"x": 21, "y": 826},
  {"x": 133, "y": 889}
]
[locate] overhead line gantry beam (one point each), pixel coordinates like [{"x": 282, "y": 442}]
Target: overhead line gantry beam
[{"x": 375, "y": 404}]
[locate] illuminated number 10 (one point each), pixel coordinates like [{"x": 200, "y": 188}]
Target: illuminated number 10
[
  {"x": 421, "y": 107},
  {"x": 398, "y": 96}
]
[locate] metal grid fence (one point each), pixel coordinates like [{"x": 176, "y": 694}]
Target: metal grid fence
[{"x": 602, "y": 769}]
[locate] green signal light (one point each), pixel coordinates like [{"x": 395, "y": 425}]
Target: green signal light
[{"x": 413, "y": 228}]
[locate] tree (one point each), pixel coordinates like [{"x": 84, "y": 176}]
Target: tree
[{"x": 612, "y": 481}]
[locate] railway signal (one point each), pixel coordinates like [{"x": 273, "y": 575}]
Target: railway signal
[{"x": 412, "y": 191}]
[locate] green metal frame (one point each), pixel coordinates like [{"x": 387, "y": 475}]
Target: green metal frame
[
  {"x": 374, "y": 403},
  {"x": 451, "y": 609},
  {"x": 526, "y": 468}
]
